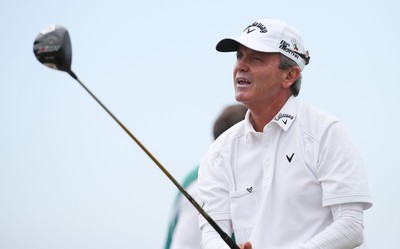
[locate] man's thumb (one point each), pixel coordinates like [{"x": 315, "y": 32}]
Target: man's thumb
[{"x": 246, "y": 245}]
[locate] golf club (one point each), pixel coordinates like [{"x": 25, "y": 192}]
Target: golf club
[{"x": 52, "y": 47}]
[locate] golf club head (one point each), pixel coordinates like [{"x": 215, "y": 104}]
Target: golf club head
[{"x": 52, "y": 47}]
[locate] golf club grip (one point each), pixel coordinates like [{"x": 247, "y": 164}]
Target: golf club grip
[{"x": 223, "y": 235}]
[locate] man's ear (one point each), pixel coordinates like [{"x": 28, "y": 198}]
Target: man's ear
[{"x": 291, "y": 75}]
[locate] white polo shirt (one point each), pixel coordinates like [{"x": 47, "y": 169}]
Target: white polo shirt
[{"x": 277, "y": 185}]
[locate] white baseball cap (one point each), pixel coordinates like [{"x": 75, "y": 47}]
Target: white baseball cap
[{"x": 270, "y": 36}]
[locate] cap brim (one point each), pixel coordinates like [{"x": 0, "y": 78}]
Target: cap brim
[
  {"x": 232, "y": 44},
  {"x": 227, "y": 45}
]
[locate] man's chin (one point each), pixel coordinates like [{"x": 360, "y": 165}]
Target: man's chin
[{"x": 240, "y": 97}]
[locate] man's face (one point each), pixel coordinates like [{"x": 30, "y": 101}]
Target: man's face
[{"x": 257, "y": 77}]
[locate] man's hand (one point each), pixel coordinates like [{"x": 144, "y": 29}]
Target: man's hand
[{"x": 246, "y": 245}]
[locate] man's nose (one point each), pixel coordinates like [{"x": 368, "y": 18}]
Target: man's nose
[{"x": 242, "y": 65}]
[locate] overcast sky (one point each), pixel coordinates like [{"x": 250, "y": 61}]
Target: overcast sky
[{"x": 69, "y": 175}]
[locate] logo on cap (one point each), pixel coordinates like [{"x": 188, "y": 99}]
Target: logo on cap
[
  {"x": 294, "y": 43},
  {"x": 286, "y": 47},
  {"x": 259, "y": 25}
]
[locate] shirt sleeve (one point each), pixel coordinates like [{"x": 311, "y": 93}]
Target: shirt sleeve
[
  {"x": 213, "y": 192},
  {"x": 213, "y": 187},
  {"x": 340, "y": 169},
  {"x": 211, "y": 239}
]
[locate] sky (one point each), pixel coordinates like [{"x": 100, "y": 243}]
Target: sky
[{"x": 69, "y": 175}]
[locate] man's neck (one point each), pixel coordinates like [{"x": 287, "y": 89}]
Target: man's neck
[{"x": 261, "y": 115}]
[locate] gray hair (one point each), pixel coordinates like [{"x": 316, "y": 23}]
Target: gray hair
[{"x": 287, "y": 63}]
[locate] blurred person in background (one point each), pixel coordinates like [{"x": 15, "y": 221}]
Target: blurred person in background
[{"x": 183, "y": 231}]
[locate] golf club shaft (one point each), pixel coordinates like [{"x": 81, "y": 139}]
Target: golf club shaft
[{"x": 223, "y": 235}]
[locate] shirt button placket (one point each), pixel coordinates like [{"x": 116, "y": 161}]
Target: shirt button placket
[{"x": 268, "y": 152}]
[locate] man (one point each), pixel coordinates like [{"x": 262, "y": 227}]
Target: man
[
  {"x": 183, "y": 231},
  {"x": 287, "y": 176}
]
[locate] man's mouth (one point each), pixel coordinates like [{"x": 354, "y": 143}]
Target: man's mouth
[{"x": 242, "y": 82}]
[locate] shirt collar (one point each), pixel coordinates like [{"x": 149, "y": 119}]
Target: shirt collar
[
  {"x": 284, "y": 119},
  {"x": 287, "y": 114}
]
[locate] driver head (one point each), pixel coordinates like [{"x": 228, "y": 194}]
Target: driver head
[{"x": 52, "y": 47}]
